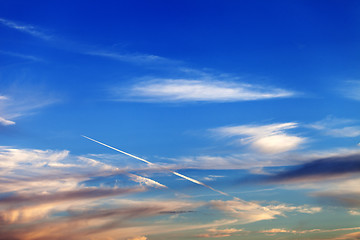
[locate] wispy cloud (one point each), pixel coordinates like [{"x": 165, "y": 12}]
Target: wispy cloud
[
  {"x": 347, "y": 198},
  {"x": 25, "y": 28},
  {"x": 283, "y": 230},
  {"x": 18, "y": 101},
  {"x": 248, "y": 212},
  {"x": 349, "y": 236},
  {"x": 6, "y": 122},
  {"x": 134, "y": 58},
  {"x": 188, "y": 90},
  {"x": 351, "y": 89},
  {"x": 219, "y": 233},
  {"x": 337, "y": 127},
  {"x": 30, "y": 206},
  {"x": 152, "y": 164},
  {"x": 23, "y": 56},
  {"x": 270, "y": 138}
]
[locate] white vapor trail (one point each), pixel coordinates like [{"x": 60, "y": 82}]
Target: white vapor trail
[{"x": 173, "y": 172}]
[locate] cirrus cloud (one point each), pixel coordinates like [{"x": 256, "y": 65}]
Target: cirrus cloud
[{"x": 190, "y": 90}]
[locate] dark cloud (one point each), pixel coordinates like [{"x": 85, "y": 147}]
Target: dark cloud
[{"x": 317, "y": 169}]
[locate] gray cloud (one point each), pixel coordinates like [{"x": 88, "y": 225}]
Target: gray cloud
[{"x": 318, "y": 169}]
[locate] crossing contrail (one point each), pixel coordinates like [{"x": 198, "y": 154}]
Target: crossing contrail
[{"x": 153, "y": 164}]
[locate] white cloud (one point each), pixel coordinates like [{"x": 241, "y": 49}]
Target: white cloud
[
  {"x": 6, "y": 122},
  {"x": 186, "y": 90},
  {"x": 266, "y": 138},
  {"x": 353, "y": 131},
  {"x": 354, "y": 212},
  {"x": 29, "y": 29}
]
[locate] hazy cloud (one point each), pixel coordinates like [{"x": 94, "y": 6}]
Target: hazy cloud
[
  {"x": 351, "y": 89},
  {"x": 18, "y": 55},
  {"x": 134, "y": 58},
  {"x": 337, "y": 127},
  {"x": 350, "y": 199},
  {"x": 19, "y": 101}
]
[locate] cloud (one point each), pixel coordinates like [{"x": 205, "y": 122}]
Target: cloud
[
  {"x": 45, "y": 191},
  {"x": 187, "y": 90},
  {"x": 138, "y": 238},
  {"x": 146, "y": 181},
  {"x": 282, "y": 230},
  {"x": 354, "y": 212},
  {"x": 23, "y": 56},
  {"x": 349, "y": 236},
  {"x": 214, "y": 233},
  {"x": 351, "y": 89},
  {"x": 269, "y": 139},
  {"x": 6, "y": 122},
  {"x": 248, "y": 212},
  {"x": 336, "y": 127},
  {"x": 28, "y": 29},
  {"x": 343, "y": 198},
  {"x": 218, "y": 233},
  {"x": 135, "y": 58},
  {"x": 319, "y": 169},
  {"x": 17, "y": 101}
]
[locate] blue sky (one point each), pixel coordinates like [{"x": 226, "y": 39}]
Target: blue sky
[{"x": 246, "y": 111}]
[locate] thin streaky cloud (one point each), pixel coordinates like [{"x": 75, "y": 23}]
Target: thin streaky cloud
[
  {"x": 6, "y": 122},
  {"x": 336, "y": 127},
  {"x": 23, "y": 56},
  {"x": 248, "y": 212},
  {"x": 216, "y": 233},
  {"x": 136, "y": 178},
  {"x": 190, "y": 90},
  {"x": 351, "y": 89},
  {"x": 135, "y": 58},
  {"x": 19, "y": 101},
  {"x": 150, "y": 163},
  {"x": 25, "y": 28}
]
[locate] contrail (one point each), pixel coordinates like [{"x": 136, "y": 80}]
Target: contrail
[{"x": 173, "y": 172}]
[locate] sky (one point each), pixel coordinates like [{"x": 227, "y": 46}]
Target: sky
[{"x": 146, "y": 120}]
